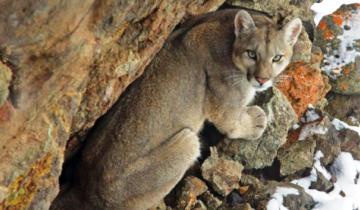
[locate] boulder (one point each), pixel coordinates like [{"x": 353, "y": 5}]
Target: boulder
[
  {"x": 260, "y": 153},
  {"x": 292, "y": 8},
  {"x": 303, "y": 85},
  {"x": 187, "y": 196},
  {"x": 223, "y": 174},
  {"x": 298, "y": 156},
  {"x": 338, "y": 37},
  {"x": 70, "y": 61},
  {"x": 344, "y": 107},
  {"x": 259, "y": 195}
]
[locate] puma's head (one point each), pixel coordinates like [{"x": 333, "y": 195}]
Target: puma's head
[{"x": 262, "y": 49}]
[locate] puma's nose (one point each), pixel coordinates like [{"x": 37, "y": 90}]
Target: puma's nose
[{"x": 260, "y": 80}]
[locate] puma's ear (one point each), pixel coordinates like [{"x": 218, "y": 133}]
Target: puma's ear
[
  {"x": 243, "y": 21},
  {"x": 292, "y": 30}
]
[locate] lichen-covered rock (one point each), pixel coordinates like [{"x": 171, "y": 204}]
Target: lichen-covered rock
[
  {"x": 303, "y": 85},
  {"x": 5, "y": 78},
  {"x": 293, "y": 8},
  {"x": 321, "y": 183},
  {"x": 260, "y": 153},
  {"x": 350, "y": 141},
  {"x": 223, "y": 174},
  {"x": 302, "y": 48},
  {"x": 70, "y": 61},
  {"x": 242, "y": 206},
  {"x": 298, "y": 156},
  {"x": 338, "y": 37},
  {"x": 187, "y": 197},
  {"x": 344, "y": 107},
  {"x": 210, "y": 200},
  {"x": 259, "y": 196}
]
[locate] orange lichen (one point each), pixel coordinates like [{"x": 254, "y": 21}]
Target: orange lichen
[
  {"x": 303, "y": 85},
  {"x": 23, "y": 189},
  {"x": 346, "y": 70},
  {"x": 326, "y": 31},
  {"x": 337, "y": 19},
  {"x": 343, "y": 86}
]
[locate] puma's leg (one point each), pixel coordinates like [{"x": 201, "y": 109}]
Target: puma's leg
[{"x": 151, "y": 177}]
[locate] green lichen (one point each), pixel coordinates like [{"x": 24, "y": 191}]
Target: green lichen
[{"x": 23, "y": 189}]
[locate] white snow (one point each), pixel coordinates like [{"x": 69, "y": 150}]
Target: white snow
[
  {"x": 310, "y": 115},
  {"x": 339, "y": 125},
  {"x": 311, "y": 126},
  {"x": 328, "y": 6},
  {"x": 346, "y": 52},
  {"x": 275, "y": 203},
  {"x": 346, "y": 170},
  {"x": 311, "y": 129}
]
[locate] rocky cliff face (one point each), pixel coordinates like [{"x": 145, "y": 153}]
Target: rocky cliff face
[{"x": 62, "y": 65}]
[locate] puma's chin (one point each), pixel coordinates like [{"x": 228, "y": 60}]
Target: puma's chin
[{"x": 258, "y": 87}]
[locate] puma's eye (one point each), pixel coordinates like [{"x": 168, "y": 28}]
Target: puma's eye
[
  {"x": 277, "y": 58},
  {"x": 251, "y": 54}
]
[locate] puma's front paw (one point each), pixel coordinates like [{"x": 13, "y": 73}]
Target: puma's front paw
[{"x": 254, "y": 122}]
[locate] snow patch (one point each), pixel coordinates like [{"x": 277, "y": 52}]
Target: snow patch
[
  {"x": 346, "y": 53},
  {"x": 346, "y": 192},
  {"x": 339, "y": 125},
  {"x": 327, "y": 7}
]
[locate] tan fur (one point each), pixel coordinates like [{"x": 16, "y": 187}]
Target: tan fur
[{"x": 142, "y": 147}]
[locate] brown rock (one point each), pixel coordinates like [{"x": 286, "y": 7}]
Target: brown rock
[
  {"x": 192, "y": 187},
  {"x": 70, "y": 61},
  {"x": 223, "y": 174},
  {"x": 210, "y": 200},
  {"x": 344, "y": 107},
  {"x": 303, "y": 85}
]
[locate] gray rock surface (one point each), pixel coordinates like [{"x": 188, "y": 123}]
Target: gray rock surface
[
  {"x": 298, "y": 156},
  {"x": 260, "y": 153},
  {"x": 223, "y": 174}
]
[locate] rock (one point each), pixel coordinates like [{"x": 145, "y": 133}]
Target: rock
[
  {"x": 210, "y": 200},
  {"x": 192, "y": 187},
  {"x": 291, "y": 9},
  {"x": 297, "y": 157},
  {"x": 6, "y": 111},
  {"x": 337, "y": 36},
  {"x": 350, "y": 142},
  {"x": 321, "y": 183},
  {"x": 5, "y": 78},
  {"x": 259, "y": 197},
  {"x": 66, "y": 72},
  {"x": 327, "y": 144},
  {"x": 323, "y": 133},
  {"x": 317, "y": 57},
  {"x": 260, "y": 153},
  {"x": 303, "y": 85},
  {"x": 296, "y": 202},
  {"x": 223, "y": 174},
  {"x": 161, "y": 206},
  {"x": 344, "y": 107},
  {"x": 302, "y": 48},
  {"x": 199, "y": 205},
  {"x": 243, "y": 206}
]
